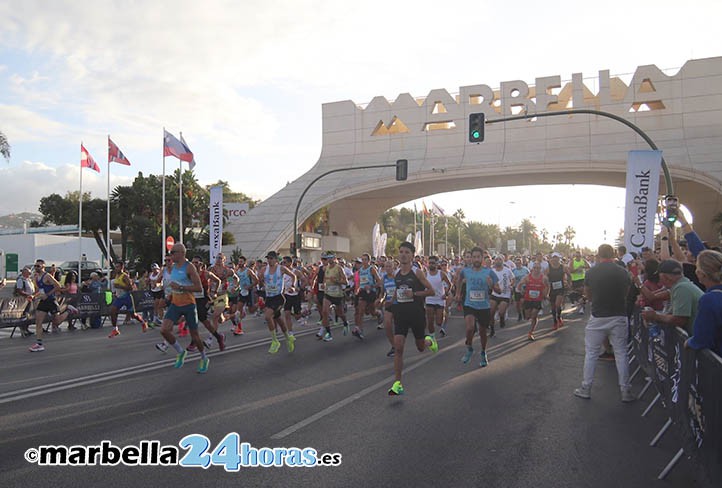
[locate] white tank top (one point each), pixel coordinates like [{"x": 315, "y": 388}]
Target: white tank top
[{"x": 437, "y": 283}]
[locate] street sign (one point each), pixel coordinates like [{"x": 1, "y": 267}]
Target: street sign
[
  {"x": 169, "y": 242},
  {"x": 511, "y": 245}
]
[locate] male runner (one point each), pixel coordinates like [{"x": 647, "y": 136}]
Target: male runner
[
  {"x": 271, "y": 277},
  {"x": 369, "y": 281},
  {"x": 557, "y": 276},
  {"x": 335, "y": 280},
  {"x": 500, "y": 301},
  {"x": 123, "y": 286},
  {"x": 408, "y": 310},
  {"x": 435, "y": 304},
  {"x": 535, "y": 287},
  {"x": 47, "y": 287}
]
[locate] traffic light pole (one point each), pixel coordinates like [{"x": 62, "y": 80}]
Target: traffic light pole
[
  {"x": 296, "y": 235},
  {"x": 642, "y": 134}
]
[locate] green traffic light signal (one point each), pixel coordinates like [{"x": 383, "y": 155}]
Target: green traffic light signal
[{"x": 476, "y": 127}]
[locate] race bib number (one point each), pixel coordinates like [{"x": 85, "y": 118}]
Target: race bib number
[
  {"x": 364, "y": 280},
  {"x": 333, "y": 289},
  {"x": 272, "y": 290},
  {"x": 390, "y": 292},
  {"x": 322, "y": 287},
  {"x": 534, "y": 293},
  {"x": 557, "y": 285},
  {"x": 244, "y": 292},
  {"x": 405, "y": 295},
  {"x": 477, "y": 295}
]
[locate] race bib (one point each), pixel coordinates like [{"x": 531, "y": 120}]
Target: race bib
[
  {"x": 477, "y": 295},
  {"x": 405, "y": 295},
  {"x": 322, "y": 287},
  {"x": 333, "y": 289},
  {"x": 557, "y": 285},
  {"x": 272, "y": 290},
  {"x": 390, "y": 292},
  {"x": 364, "y": 280},
  {"x": 534, "y": 293},
  {"x": 244, "y": 292}
]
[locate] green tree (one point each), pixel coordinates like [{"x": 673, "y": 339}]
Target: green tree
[
  {"x": 4, "y": 147},
  {"x": 569, "y": 234}
]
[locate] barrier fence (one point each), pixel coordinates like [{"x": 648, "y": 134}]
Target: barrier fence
[
  {"x": 19, "y": 312},
  {"x": 688, "y": 385}
]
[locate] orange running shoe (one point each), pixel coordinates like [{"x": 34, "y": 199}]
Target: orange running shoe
[{"x": 113, "y": 333}]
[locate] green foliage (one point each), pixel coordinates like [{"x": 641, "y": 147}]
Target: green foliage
[{"x": 4, "y": 147}]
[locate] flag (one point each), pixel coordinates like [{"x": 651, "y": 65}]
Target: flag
[
  {"x": 173, "y": 147},
  {"x": 436, "y": 209},
  {"x": 423, "y": 207},
  {"x": 115, "y": 155},
  {"x": 192, "y": 162},
  {"x": 86, "y": 160}
]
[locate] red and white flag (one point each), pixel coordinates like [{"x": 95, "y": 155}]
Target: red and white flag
[
  {"x": 115, "y": 155},
  {"x": 192, "y": 162},
  {"x": 86, "y": 160},
  {"x": 173, "y": 147}
]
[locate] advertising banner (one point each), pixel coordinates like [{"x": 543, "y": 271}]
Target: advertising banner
[
  {"x": 643, "y": 169},
  {"x": 216, "y": 222}
]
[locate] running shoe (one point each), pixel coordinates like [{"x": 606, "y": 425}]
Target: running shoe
[
  {"x": 380, "y": 319},
  {"x": 502, "y": 323},
  {"x": 36, "y": 348},
  {"x": 275, "y": 346},
  {"x": 492, "y": 332},
  {"x": 203, "y": 366},
  {"x": 222, "y": 342},
  {"x": 162, "y": 347},
  {"x": 628, "y": 396},
  {"x": 531, "y": 337},
  {"x": 208, "y": 342},
  {"x": 345, "y": 329},
  {"x": 556, "y": 325},
  {"x": 467, "y": 355},
  {"x": 319, "y": 334},
  {"x": 356, "y": 332},
  {"x": 431, "y": 343},
  {"x": 180, "y": 359},
  {"x": 396, "y": 389},
  {"x": 483, "y": 362},
  {"x": 561, "y": 322},
  {"x": 380, "y": 326},
  {"x": 192, "y": 348},
  {"x": 391, "y": 353},
  {"x": 442, "y": 330},
  {"x": 327, "y": 337},
  {"x": 238, "y": 330},
  {"x": 144, "y": 326},
  {"x": 113, "y": 333},
  {"x": 291, "y": 343},
  {"x": 583, "y": 392}
]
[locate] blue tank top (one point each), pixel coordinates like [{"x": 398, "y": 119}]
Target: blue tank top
[
  {"x": 477, "y": 287},
  {"x": 274, "y": 282},
  {"x": 389, "y": 288},
  {"x": 45, "y": 287},
  {"x": 180, "y": 275},
  {"x": 244, "y": 280},
  {"x": 365, "y": 277}
]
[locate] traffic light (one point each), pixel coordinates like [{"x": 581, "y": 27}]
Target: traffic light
[
  {"x": 293, "y": 249},
  {"x": 402, "y": 169},
  {"x": 476, "y": 127}
]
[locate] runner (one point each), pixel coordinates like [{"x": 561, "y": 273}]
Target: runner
[
  {"x": 47, "y": 287},
  {"x": 577, "y": 272},
  {"x": 184, "y": 281},
  {"x": 123, "y": 286},
  {"x": 477, "y": 281},
  {"x": 500, "y": 301},
  {"x": 247, "y": 281},
  {"x": 271, "y": 278},
  {"x": 335, "y": 279},
  {"x": 292, "y": 293},
  {"x": 436, "y": 303},
  {"x": 369, "y": 282},
  {"x": 156, "y": 289},
  {"x": 520, "y": 271},
  {"x": 320, "y": 288},
  {"x": 408, "y": 310},
  {"x": 387, "y": 299},
  {"x": 219, "y": 279},
  {"x": 444, "y": 267},
  {"x": 558, "y": 283},
  {"x": 535, "y": 287},
  {"x": 202, "y": 308}
]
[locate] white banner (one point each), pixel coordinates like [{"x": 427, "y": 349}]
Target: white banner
[
  {"x": 643, "y": 169},
  {"x": 215, "y": 231}
]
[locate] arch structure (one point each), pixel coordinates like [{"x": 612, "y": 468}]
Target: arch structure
[{"x": 682, "y": 113}]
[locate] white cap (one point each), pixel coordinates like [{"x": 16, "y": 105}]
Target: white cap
[{"x": 556, "y": 255}]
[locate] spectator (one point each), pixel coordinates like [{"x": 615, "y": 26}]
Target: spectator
[
  {"x": 707, "y": 332},
  {"x": 25, "y": 287},
  {"x": 685, "y": 296},
  {"x": 651, "y": 291},
  {"x": 71, "y": 289},
  {"x": 606, "y": 286}
]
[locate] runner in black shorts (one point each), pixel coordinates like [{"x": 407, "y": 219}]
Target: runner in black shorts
[{"x": 557, "y": 276}]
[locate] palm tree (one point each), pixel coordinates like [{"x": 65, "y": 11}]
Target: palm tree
[
  {"x": 4, "y": 147},
  {"x": 569, "y": 235}
]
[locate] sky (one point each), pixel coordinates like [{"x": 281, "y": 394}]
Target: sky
[{"x": 244, "y": 82}]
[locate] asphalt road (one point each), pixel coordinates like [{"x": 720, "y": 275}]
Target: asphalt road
[{"x": 514, "y": 423}]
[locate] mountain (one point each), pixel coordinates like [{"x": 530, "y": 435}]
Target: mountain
[{"x": 16, "y": 220}]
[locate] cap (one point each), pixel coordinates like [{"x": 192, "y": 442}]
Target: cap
[
  {"x": 154, "y": 266},
  {"x": 327, "y": 255},
  {"x": 670, "y": 266},
  {"x": 358, "y": 260},
  {"x": 94, "y": 274},
  {"x": 627, "y": 258},
  {"x": 556, "y": 255},
  {"x": 28, "y": 268},
  {"x": 272, "y": 254}
]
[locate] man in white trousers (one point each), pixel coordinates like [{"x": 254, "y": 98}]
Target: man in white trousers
[{"x": 606, "y": 286}]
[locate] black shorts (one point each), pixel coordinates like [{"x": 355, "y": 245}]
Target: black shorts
[
  {"x": 319, "y": 297},
  {"x": 276, "y": 304},
  {"x": 158, "y": 295},
  {"x": 578, "y": 285},
  {"x": 482, "y": 316},
  {"x": 202, "y": 309},
  {"x": 49, "y": 305},
  {"x": 367, "y": 296},
  {"x": 410, "y": 318},
  {"x": 434, "y": 306},
  {"x": 499, "y": 300},
  {"x": 338, "y": 301},
  {"x": 531, "y": 305},
  {"x": 246, "y": 299},
  {"x": 518, "y": 296},
  {"x": 555, "y": 293},
  {"x": 293, "y": 303}
]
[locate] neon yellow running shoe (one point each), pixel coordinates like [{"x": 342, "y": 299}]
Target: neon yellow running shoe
[
  {"x": 291, "y": 343},
  {"x": 203, "y": 366},
  {"x": 275, "y": 346},
  {"x": 180, "y": 359},
  {"x": 396, "y": 389},
  {"x": 431, "y": 343}
]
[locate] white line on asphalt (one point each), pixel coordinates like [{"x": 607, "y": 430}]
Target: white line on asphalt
[{"x": 358, "y": 395}]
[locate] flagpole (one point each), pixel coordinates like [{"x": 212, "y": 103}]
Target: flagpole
[
  {"x": 162, "y": 244},
  {"x": 446, "y": 236},
  {"x": 80, "y": 218},
  {"x": 422, "y": 234},
  {"x": 107, "y": 223},
  {"x": 180, "y": 197},
  {"x": 414, "y": 220}
]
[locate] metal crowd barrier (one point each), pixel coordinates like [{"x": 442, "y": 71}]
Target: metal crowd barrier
[
  {"x": 19, "y": 312},
  {"x": 688, "y": 385}
]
